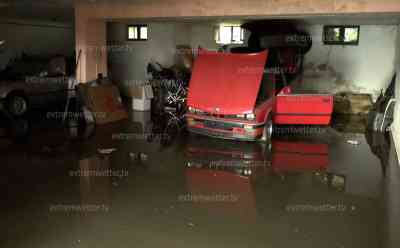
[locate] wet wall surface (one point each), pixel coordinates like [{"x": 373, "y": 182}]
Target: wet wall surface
[{"x": 316, "y": 187}]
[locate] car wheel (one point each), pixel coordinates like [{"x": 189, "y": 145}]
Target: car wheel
[
  {"x": 268, "y": 131},
  {"x": 17, "y": 104}
]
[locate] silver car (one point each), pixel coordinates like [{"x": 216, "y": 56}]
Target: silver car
[{"x": 34, "y": 92}]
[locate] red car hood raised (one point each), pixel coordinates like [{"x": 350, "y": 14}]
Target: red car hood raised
[{"x": 226, "y": 83}]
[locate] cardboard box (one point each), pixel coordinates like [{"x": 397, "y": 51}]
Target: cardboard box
[
  {"x": 135, "y": 92},
  {"x": 141, "y": 92},
  {"x": 141, "y": 104}
]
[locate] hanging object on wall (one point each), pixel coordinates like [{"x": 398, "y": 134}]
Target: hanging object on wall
[{"x": 1, "y": 44}]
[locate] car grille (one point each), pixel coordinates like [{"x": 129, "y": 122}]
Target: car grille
[{"x": 221, "y": 125}]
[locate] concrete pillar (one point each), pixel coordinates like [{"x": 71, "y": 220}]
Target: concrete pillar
[{"x": 90, "y": 37}]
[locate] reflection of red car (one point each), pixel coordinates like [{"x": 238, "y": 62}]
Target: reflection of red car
[
  {"x": 231, "y": 96},
  {"x": 242, "y": 159},
  {"x": 252, "y": 160},
  {"x": 225, "y": 167},
  {"x": 299, "y": 156}
]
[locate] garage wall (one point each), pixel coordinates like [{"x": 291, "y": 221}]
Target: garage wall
[
  {"x": 128, "y": 59},
  {"x": 202, "y": 35},
  {"x": 182, "y": 33},
  {"x": 396, "y": 124},
  {"x": 366, "y": 68},
  {"x": 118, "y": 10},
  {"x": 34, "y": 38}
]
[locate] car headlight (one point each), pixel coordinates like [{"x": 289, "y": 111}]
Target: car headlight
[
  {"x": 250, "y": 116},
  {"x": 194, "y": 110},
  {"x": 247, "y": 172},
  {"x": 240, "y": 116}
]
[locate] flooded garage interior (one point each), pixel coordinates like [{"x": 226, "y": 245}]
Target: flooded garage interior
[
  {"x": 311, "y": 187},
  {"x": 200, "y": 123}
]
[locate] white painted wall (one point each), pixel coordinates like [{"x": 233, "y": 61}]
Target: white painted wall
[
  {"x": 34, "y": 38},
  {"x": 396, "y": 123},
  {"x": 128, "y": 66},
  {"x": 202, "y": 35},
  {"x": 182, "y": 33},
  {"x": 366, "y": 68}
]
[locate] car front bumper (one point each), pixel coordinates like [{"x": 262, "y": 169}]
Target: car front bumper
[{"x": 225, "y": 130}]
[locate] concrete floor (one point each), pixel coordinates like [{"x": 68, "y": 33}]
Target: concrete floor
[{"x": 313, "y": 190}]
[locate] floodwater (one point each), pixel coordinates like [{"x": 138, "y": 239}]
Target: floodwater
[{"x": 312, "y": 188}]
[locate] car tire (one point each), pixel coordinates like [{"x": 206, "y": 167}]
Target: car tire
[
  {"x": 268, "y": 131},
  {"x": 17, "y": 104}
]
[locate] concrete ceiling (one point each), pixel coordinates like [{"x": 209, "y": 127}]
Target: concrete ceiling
[
  {"x": 365, "y": 19},
  {"x": 63, "y": 11}
]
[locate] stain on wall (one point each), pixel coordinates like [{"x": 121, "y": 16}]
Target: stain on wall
[{"x": 366, "y": 68}]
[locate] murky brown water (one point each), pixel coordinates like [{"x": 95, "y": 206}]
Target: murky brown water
[{"x": 315, "y": 190}]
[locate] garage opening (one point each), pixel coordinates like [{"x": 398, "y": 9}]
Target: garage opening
[{"x": 208, "y": 132}]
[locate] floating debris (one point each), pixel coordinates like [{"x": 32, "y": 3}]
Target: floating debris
[
  {"x": 353, "y": 142},
  {"x": 140, "y": 156},
  {"x": 106, "y": 151},
  {"x": 143, "y": 156}
]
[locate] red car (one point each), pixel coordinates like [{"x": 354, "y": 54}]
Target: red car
[{"x": 232, "y": 96}]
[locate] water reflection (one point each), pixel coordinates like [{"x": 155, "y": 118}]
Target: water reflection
[
  {"x": 263, "y": 181},
  {"x": 95, "y": 181},
  {"x": 253, "y": 159},
  {"x": 302, "y": 192}
]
